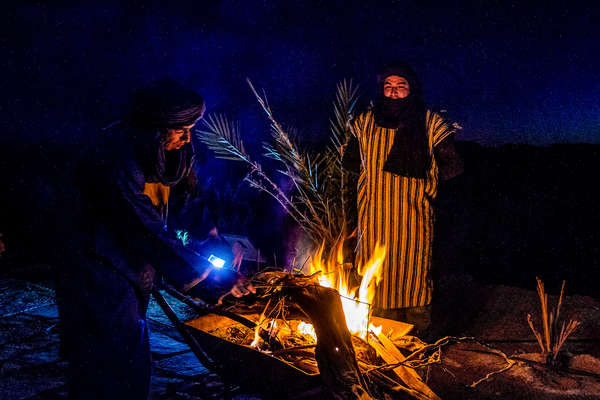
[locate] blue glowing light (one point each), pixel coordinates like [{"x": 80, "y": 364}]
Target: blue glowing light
[{"x": 216, "y": 261}]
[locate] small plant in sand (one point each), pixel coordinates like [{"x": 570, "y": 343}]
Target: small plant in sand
[{"x": 551, "y": 339}]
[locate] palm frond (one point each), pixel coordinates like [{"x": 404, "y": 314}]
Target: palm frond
[
  {"x": 284, "y": 148},
  {"x": 315, "y": 202},
  {"x": 223, "y": 138},
  {"x": 343, "y": 107}
]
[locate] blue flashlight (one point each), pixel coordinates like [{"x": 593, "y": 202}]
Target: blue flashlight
[{"x": 216, "y": 261}]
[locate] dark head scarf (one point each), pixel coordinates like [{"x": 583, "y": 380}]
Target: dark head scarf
[
  {"x": 165, "y": 103},
  {"x": 409, "y": 155},
  {"x": 161, "y": 105}
]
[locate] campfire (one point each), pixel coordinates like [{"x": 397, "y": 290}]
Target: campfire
[
  {"x": 320, "y": 324},
  {"x": 356, "y": 302}
]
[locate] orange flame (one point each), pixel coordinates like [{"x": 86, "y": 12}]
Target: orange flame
[
  {"x": 356, "y": 303},
  {"x": 307, "y": 329},
  {"x": 261, "y": 321}
]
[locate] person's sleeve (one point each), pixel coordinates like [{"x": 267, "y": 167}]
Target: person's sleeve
[
  {"x": 352, "y": 165},
  {"x": 179, "y": 265},
  {"x": 190, "y": 210},
  {"x": 351, "y": 155},
  {"x": 351, "y": 160},
  {"x": 449, "y": 162}
]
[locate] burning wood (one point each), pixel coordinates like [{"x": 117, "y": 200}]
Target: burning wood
[
  {"x": 355, "y": 302},
  {"x": 390, "y": 353},
  {"x": 350, "y": 366},
  {"x": 303, "y": 321}
]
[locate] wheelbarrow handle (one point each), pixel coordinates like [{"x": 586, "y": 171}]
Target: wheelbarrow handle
[
  {"x": 207, "y": 309},
  {"x": 183, "y": 331}
]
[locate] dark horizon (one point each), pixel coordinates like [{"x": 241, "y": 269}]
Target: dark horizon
[{"x": 506, "y": 73}]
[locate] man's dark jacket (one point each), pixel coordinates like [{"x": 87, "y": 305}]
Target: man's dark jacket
[{"x": 117, "y": 241}]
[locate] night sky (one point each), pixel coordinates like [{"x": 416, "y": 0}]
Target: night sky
[{"x": 508, "y": 73}]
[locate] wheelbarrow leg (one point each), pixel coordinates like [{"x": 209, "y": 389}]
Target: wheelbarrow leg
[
  {"x": 227, "y": 393},
  {"x": 189, "y": 339}
]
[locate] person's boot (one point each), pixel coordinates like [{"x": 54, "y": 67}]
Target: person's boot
[{"x": 419, "y": 317}]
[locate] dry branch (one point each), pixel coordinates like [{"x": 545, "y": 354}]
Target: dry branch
[
  {"x": 552, "y": 340},
  {"x": 334, "y": 351},
  {"x": 414, "y": 384}
]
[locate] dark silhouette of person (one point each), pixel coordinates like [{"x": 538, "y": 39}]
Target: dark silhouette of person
[{"x": 123, "y": 243}]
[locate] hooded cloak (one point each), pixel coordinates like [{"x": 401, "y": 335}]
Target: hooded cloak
[
  {"x": 165, "y": 103},
  {"x": 410, "y": 154},
  {"x": 159, "y": 106}
]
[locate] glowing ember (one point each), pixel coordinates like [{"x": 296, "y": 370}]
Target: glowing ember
[
  {"x": 307, "y": 329},
  {"x": 261, "y": 320},
  {"x": 256, "y": 337},
  {"x": 375, "y": 329}
]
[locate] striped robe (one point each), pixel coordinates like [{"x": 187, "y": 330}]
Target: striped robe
[{"x": 397, "y": 212}]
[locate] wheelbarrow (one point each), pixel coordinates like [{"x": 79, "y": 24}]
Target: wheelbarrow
[{"x": 253, "y": 370}]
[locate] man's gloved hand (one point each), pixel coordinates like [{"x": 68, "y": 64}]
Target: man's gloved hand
[{"x": 215, "y": 245}]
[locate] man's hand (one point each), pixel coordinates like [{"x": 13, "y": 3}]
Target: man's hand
[
  {"x": 238, "y": 255},
  {"x": 242, "y": 287},
  {"x": 236, "y": 249},
  {"x": 218, "y": 284},
  {"x": 214, "y": 232}
]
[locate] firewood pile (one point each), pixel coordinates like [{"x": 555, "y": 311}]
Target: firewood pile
[{"x": 302, "y": 324}]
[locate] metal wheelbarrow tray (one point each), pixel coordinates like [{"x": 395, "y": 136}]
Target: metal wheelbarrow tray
[
  {"x": 249, "y": 368},
  {"x": 244, "y": 366}
]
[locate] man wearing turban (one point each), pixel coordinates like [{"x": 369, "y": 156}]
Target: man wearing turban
[
  {"x": 400, "y": 150},
  {"x": 103, "y": 291}
]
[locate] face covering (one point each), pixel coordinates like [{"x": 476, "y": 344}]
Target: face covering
[{"x": 409, "y": 155}]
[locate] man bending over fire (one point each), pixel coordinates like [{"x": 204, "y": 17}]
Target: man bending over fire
[{"x": 104, "y": 291}]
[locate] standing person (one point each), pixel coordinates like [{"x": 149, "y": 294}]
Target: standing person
[
  {"x": 124, "y": 240},
  {"x": 400, "y": 150}
]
